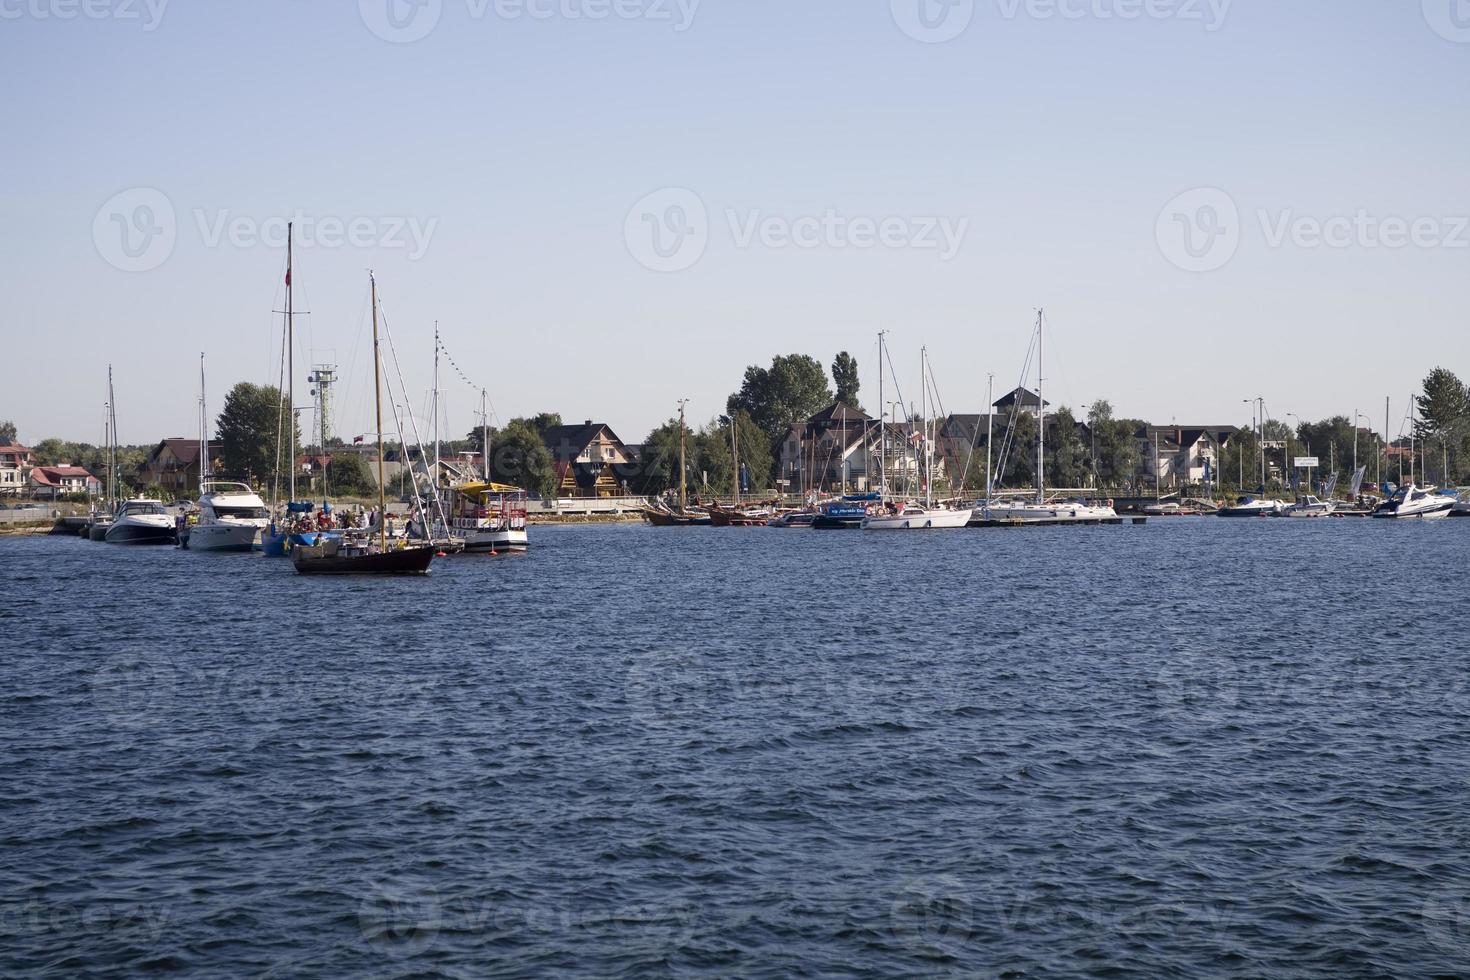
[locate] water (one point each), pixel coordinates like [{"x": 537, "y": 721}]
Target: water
[{"x": 1195, "y": 749}]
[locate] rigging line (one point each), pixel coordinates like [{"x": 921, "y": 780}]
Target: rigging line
[
  {"x": 413, "y": 423},
  {"x": 1008, "y": 440},
  {"x": 466, "y": 378}
]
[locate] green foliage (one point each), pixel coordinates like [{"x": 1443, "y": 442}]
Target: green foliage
[
  {"x": 791, "y": 390},
  {"x": 845, "y": 376},
  {"x": 1444, "y": 426},
  {"x": 1116, "y": 455},
  {"x": 1066, "y": 456},
  {"x": 247, "y": 429},
  {"x": 658, "y": 465},
  {"x": 518, "y": 456},
  {"x": 351, "y": 475},
  {"x": 8, "y": 433}
]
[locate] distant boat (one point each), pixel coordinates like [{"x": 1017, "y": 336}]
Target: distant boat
[
  {"x": 1043, "y": 511},
  {"x": 1251, "y": 506},
  {"x": 793, "y": 518},
  {"x": 1422, "y": 503},
  {"x": 1308, "y": 506},
  {"x": 141, "y": 521},
  {"x": 336, "y": 556},
  {"x": 846, "y": 514},
  {"x": 916, "y": 518}
]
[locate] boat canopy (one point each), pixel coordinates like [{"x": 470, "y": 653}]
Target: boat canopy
[
  {"x": 301, "y": 506},
  {"x": 486, "y": 488}
]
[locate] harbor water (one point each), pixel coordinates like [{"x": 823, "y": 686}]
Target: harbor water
[{"x": 1199, "y": 748}]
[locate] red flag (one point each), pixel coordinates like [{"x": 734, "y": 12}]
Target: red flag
[
  {"x": 288, "y": 277},
  {"x": 356, "y": 440}
]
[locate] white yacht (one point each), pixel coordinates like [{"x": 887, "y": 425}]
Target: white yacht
[
  {"x": 141, "y": 521},
  {"x": 914, "y": 517},
  {"x": 490, "y": 517},
  {"x": 231, "y": 518},
  {"x": 1016, "y": 511},
  {"x": 1251, "y": 507},
  {"x": 1308, "y": 506},
  {"x": 1424, "y": 503}
]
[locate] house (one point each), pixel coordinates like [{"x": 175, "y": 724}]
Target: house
[
  {"x": 172, "y": 464},
  {"x": 590, "y": 460},
  {"x": 1175, "y": 456},
  {"x": 16, "y": 462},
  {"x": 51, "y": 482},
  {"x": 837, "y": 450},
  {"x": 1020, "y": 400}
]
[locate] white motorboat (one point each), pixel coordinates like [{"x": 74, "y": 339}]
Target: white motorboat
[
  {"x": 1423, "y": 503},
  {"x": 917, "y": 518},
  {"x": 489, "y": 517},
  {"x": 141, "y": 521},
  {"x": 1308, "y": 506},
  {"x": 1251, "y": 507},
  {"x": 231, "y": 518},
  {"x": 1017, "y": 511}
]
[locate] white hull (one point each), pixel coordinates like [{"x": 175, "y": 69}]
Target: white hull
[
  {"x": 493, "y": 540},
  {"x": 1420, "y": 515},
  {"x": 918, "y": 520},
  {"x": 1048, "y": 514},
  {"x": 223, "y": 537}
]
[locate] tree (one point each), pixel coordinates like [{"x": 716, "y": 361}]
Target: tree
[
  {"x": 1444, "y": 423},
  {"x": 791, "y": 390},
  {"x": 8, "y": 433},
  {"x": 519, "y": 456},
  {"x": 658, "y": 463},
  {"x": 350, "y": 475},
  {"x": 845, "y": 376},
  {"x": 248, "y": 428},
  {"x": 1114, "y": 450},
  {"x": 1065, "y": 453}
]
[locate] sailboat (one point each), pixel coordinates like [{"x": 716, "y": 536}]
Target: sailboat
[
  {"x": 1017, "y": 510},
  {"x": 660, "y": 514},
  {"x": 487, "y": 516},
  {"x": 911, "y": 516},
  {"x": 231, "y": 515},
  {"x": 335, "y": 556},
  {"x": 101, "y": 518}
]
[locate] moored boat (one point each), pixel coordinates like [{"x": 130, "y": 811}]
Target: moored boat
[
  {"x": 141, "y": 521},
  {"x": 1307, "y": 505},
  {"x": 1415, "y": 502},
  {"x": 906, "y": 518},
  {"x": 489, "y": 517},
  {"x": 1250, "y": 506}
]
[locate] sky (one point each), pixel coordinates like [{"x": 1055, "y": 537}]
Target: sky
[{"x": 610, "y": 205}]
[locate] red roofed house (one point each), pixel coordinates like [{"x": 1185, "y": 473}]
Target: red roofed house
[
  {"x": 15, "y": 465},
  {"x": 51, "y": 482},
  {"x": 172, "y": 464}
]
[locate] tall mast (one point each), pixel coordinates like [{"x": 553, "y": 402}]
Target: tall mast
[
  {"x": 882, "y": 426},
  {"x": 989, "y": 429},
  {"x": 924, "y": 424},
  {"x": 291, "y": 368},
  {"x": 1040, "y": 421},
  {"x": 682, "y": 492},
  {"x": 111, "y": 440},
  {"x": 484, "y": 435},
  {"x": 735, "y": 458},
  {"x": 378, "y": 407},
  {"x": 436, "y": 406},
  {"x": 203, "y": 428}
]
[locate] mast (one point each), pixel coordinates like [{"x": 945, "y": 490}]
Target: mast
[
  {"x": 111, "y": 441},
  {"x": 1040, "y": 421},
  {"x": 989, "y": 429},
  {"x": 291, "y": 369},
  {"x": 203, "y": 428},
  {"x": 682, "y": 492},
  {"x": 484, "y": 436},
  {"x": 924, "y": 426},
  {"x": 882, "y": 426},
  {"x": 378, "y": 407},
  {"x": 436, "y": 406},
  {"x": 735, "y": 458}
]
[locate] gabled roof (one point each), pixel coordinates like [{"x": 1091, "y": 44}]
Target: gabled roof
[
  {"x": 1180, "y": 436},
  {"x": 1022, "y": 398},
  {"x": 184, "y": 450},
  {"x": 14, "y": 448},
  {"x": 66, "y": 472},
  {"x": 568, "y": 441},
  {"x": 837, "y": 413}
]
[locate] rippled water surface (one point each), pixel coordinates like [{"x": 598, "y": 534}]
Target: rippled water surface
[{"x": 1194, "y": 749}]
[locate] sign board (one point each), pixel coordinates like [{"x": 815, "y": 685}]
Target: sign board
[{"x": 1306, "y": 462}]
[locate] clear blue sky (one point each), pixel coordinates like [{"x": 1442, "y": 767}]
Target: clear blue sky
[{"x": 526, "y": 141}]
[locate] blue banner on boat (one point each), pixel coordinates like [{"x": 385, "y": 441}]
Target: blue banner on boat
[{"x": 300, "y": 506}]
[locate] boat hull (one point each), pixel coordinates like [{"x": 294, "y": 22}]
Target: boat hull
[
  {"x": 313, "y": 560},
  {"x": 928, "y": 520},
  {"x": 222, "y": 537},
  {"x": 486, "y": 541},
  {"x": 134, "y": 532}
]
